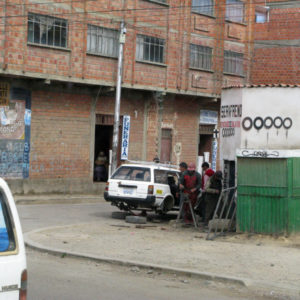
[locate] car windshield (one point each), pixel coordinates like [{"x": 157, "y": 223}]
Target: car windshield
[
  {"x": 7, "y": 240},
  {"x": 133, "y": 173}
]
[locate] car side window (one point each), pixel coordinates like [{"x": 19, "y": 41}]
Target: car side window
[
  {"x": 173, "y": 178},
  {"x": 7, "y": 239},
  {"x": 161, "y": 176}
]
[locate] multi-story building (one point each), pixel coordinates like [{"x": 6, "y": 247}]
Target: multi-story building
[
  {"x": 276, "y": 57},
  {"x": 58, "y": 77}
]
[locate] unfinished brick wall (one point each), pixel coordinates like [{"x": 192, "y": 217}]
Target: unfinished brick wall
[
  {"x": 277, "y": 53},
  {"x": 60, "y": 135},
  {"x": 176, "y": 24}
]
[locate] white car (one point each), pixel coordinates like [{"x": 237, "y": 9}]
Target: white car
[
  {"x": 141, "y": 186},
  {"x": 13, "y": 270}
]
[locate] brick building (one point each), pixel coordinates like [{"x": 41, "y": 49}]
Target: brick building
[
  {"x": 58, "y": 64},
  {"x": 276, "y": 57}
]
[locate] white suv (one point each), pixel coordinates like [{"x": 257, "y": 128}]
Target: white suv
[
  {"x": 141, "y": 186},
  {"x": 13, "y": 274}
]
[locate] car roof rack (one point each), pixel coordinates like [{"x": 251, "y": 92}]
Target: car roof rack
[{"x": 140, "y": 162}]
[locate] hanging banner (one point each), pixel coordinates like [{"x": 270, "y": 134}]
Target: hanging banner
[
  {"x": 214, "y": 154},
  {"x": 125, "y": 137}
]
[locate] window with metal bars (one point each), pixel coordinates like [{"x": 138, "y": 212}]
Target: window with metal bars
[
  {"x": 233, "y": 63},
  {"x": 235, "y": 10},
  {"x": 205, "y": 7},
  {"x": 200, "y": 57},
  {"x": 103, "y": 41},
  {"x": 46, "y": 30},
  {"x": 150, "y": 48}
]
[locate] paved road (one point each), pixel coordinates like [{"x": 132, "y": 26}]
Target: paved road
[
  {"x": 44, "y": 215},
  {"x": 52, "y": 277},
  {"x": 66, "y": 278}
]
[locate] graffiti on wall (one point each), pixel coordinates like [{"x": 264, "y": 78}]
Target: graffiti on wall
[{"x": 15, "y": 121}]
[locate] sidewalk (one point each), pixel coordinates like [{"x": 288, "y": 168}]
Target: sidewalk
[{"x": 258, "y": 262}]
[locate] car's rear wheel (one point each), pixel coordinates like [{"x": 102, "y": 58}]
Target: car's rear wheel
[{"x": 167, "y": 205}]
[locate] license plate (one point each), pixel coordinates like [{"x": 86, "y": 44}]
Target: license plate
[
  {"x": 127, "y": 191},
  {"x": 159, "y": 192}
]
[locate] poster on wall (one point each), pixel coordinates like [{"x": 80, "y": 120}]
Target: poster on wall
[
  {"x": 125, "y": 137},
  {"x": 15, "y": 121},
  {"x": 12, "y": 126}
]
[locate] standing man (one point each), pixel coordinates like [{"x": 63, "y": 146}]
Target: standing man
[
  {"x": 190, "y": 183},
  {"x": 213, "y": 190},
  {"x": 207, "y": 173},
  {"x": 182, "y": 167}
]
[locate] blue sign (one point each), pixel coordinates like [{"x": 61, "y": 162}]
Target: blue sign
[
  {"x": 208, "y": 117},
  {"x": 214, "y": 154},
  {"x": 125, "y": 137},
  {"x": 27, "y": 117}
]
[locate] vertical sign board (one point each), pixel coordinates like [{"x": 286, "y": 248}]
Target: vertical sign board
[
  {"x": 125, "y": 137},
  {"x": 15, "y": 122},
  {"x": 214, "y": 154}
]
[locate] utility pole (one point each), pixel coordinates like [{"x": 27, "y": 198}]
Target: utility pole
[{"x": 118, "y": 99}]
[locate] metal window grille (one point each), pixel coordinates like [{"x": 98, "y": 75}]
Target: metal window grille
[
  {"x": 235, "y": 10},
  {"x": 102, "y": 41},
  {"x": 233, "y": 62},
  {"x": 45, "y": 30},
  {"x": 203, "y": 7},
  {"x": 200, "y": 57},
  {"x": 150, "y": 49}
]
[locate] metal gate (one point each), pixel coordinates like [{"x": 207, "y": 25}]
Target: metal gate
[{"x": 224, "y": 215}]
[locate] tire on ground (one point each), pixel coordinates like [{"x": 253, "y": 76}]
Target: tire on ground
[
  {"x": 136, "y": 220},
  {"x": 120, "y": 215}
]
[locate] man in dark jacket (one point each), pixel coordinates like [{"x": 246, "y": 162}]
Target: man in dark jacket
[
  {"x": 190, "y": 183},
  {"x": 213, "y": 190}
]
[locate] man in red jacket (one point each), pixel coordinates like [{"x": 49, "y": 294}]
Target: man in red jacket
[
  {"x": 207, "y": 173},
  {"x": 190, "y": 183}
]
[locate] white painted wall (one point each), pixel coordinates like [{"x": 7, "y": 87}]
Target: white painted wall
[
  {"x": 260, "y": 102},
  {"x": 273, "y": 102},
  {"x": 229, "y": 144}
]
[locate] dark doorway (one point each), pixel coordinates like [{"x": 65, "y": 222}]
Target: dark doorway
[
  {"x": 205, "y": 144},
  {"x": 103, "y": 143},
  {"x": 166, "y": 145},
  {"x": 103, "y": 139},
  {"x": 229, "y": 173},
  {"x": 205, "y": 139}
]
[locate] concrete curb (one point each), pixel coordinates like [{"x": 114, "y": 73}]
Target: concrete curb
[{"x": 201, "y": 275}]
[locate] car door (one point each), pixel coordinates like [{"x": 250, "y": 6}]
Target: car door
[{"x": 13, "y": 275}]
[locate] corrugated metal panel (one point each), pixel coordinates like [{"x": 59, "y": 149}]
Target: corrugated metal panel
[
  {"x": 294, "y": 200},
  {"x": 262, "y": 195},
  {"x": 262, "y": 172}
]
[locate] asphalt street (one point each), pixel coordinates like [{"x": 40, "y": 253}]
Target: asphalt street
[{"x": 54, "y": 277}]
